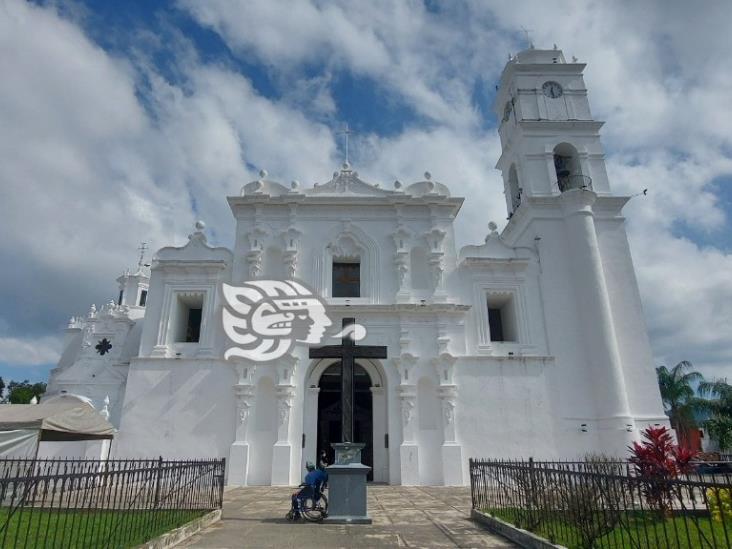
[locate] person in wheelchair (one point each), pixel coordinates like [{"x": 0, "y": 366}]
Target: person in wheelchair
[{"x": 310, "y": 488}]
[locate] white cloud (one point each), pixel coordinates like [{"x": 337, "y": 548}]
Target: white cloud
[
  {"x": 29, "y": 352},
  {"x": 87, "y": 172}
]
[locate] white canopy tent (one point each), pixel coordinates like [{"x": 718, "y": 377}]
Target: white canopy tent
[{"x": 60, "y": 419}]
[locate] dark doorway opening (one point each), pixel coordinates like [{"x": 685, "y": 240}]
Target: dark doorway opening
[{"x": 329, "y": 413}]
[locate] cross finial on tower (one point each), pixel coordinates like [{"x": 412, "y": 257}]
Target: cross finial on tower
[
  {"x": 142, "y": 248},
  {"x": 527, "y": 33},
  {"x": 346, "y": 133}
]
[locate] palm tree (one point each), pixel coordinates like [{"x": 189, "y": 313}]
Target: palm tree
[
  {"x": 678, "y": 395},
  {"x": 719, "y": 425}
]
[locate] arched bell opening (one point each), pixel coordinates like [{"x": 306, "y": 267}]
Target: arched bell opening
[{"x": 568, "y": 169}]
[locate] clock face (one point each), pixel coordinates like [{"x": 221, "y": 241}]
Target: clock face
[{"x": 552, "y": 89}]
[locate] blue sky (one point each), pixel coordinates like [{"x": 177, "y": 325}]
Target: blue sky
[{"x": 125, "y": 122}]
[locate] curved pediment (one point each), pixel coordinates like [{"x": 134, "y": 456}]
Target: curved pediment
[
  {"x": 346, "y": 182},
  {"x": 197, "y": 249},
  {"x": 493, "y": 248}
]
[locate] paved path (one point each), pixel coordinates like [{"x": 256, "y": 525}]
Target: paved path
[{"x": 403, "y": 517}]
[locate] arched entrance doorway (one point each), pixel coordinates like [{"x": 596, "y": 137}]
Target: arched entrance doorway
[
  {"x": 329, "y": 412},
  {"x": 322, "y": 417}
]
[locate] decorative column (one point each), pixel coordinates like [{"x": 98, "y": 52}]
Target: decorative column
[
  {"x": 435, "y": 259},
  {"x": 256, "y": 249},
  {"x": 401, "y": 262},
  {"x": 289, "y": 256},
  {"x": 614, "y": 423},
  {"x": 285, "y": 395},
  {"x": 409, "y": 449},
  {"x": 452, "y": 451},
  {"x": 244, "y": 400}
]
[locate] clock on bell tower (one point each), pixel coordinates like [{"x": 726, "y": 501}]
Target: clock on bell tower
[{"x": 549, "y": 139}]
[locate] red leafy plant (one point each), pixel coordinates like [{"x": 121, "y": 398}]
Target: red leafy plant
[{"x": 657, "y": 459}]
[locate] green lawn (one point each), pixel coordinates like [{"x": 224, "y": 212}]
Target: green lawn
[
  {"x": 87, "y": 529},
  {"x": 636, "y": 530}
]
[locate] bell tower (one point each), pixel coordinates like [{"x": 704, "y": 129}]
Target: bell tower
[
  {"x": 549, "y": 139},
  {"x": 560, "y": 204}
]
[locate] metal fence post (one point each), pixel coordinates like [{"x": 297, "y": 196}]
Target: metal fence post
[{"x": 157, "y": 482}]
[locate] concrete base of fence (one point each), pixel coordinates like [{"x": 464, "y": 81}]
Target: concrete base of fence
[
  {"x": 182, "y": 533},
  {"x": 524, "y": 538}
]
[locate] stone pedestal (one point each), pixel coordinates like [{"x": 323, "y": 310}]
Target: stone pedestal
[
  {"x": 452, "y": 464},
  {"x": 281, "y": 456},
  {"x": 238, "y": 463},
  {"x": 409, "y": 458},
  {"x": 347, "y": 486}
]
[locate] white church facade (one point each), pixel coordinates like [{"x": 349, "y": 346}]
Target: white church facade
[{"x": 532, "y": 343}]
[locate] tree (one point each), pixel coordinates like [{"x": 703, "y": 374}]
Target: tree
[
  {"x": 21, "y": 392},
  {"x": 2, "y": 388},
  {"x": 678, "y": 395},
  {"x": 719, "y": 425}
]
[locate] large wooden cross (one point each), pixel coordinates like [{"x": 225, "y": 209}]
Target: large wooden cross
[{"x": 347, "y": 352}]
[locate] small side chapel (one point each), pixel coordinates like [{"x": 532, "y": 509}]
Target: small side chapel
[{"x": 532, "y": 343}]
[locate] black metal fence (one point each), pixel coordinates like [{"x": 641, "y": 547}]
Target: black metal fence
[
  {"x": 93, "y": 503},
  {"x": 604, "y": 504}
]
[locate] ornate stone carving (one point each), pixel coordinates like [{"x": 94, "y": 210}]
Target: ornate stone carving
[
  {"x": 402, "y": 268},
  {"x": 243, "y": 410},
  {"x": 284, "y": 411},
  {"x": 402, "y": 237},
  {"x": 437, "y": 269},
  {"x": 435, "y": 239},
  {"x": 448, "y": 411},
  {"x": 345, "y": 247},
  {"x": 256, "y": 248},
  {"x": 292, "y": 242},
  {"x": 407, "y": 411},
  {"x": 444, "y": 366},
  {"x": 404, "y": 363}
]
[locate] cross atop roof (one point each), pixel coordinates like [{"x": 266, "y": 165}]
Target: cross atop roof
[
  {"x": 346, "y": 133},
  {"x": 142, "y": 249}
]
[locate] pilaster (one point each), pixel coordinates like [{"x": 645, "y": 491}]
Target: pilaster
[
  {"x": 402, "y": 238},
  {"x": 447, "y": 392},
  {"x": 409, "y": 449},
  {"x": 244, "y": 401},
  {"x": 285, "y": 396},
  {"x": 435, "y": 258}
]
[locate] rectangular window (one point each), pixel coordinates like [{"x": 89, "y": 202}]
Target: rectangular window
[
  {"x": 502, "y": 318},
  {"x": 121, "y": 294},
  {"x": 189, "y": 315},
  {"x": 346, "y": 279},
  {"x": 143, "y": 298}
]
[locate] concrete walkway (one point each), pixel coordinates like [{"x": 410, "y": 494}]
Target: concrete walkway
[{"x": 403, "y": 517}]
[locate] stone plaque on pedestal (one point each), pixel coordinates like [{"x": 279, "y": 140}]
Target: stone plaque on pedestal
[{"x": 347, "y": 486}]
